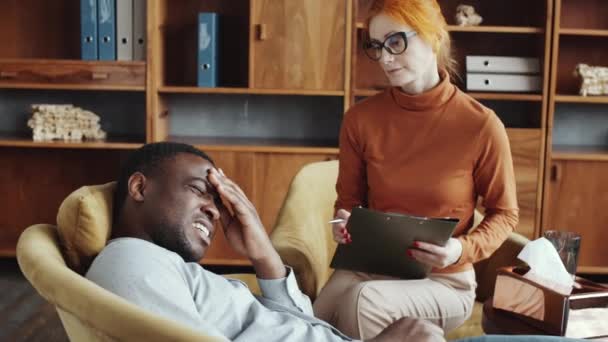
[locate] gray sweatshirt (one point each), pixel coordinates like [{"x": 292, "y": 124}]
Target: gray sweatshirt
[{"x": 159, "y": 281}]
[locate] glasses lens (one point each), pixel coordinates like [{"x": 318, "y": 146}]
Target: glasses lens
[
  {"x": 372, "y": 50},
  {"x": 396, "y": 43}
]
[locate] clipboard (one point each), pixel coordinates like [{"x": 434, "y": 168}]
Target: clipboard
[{"x": 380, "y": 240}]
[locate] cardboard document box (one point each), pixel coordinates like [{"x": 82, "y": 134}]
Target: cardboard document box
[
  {"x": 503, "y": 65},
  {"x": 582, "y": 314},
  {"x": 504, "y": 82}
]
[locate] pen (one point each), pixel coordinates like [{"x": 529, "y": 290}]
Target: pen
[{"x": 336, "y": 221}]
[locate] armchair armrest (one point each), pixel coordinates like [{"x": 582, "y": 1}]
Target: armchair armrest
[
  {"x": 305, "y": 243},
  {"x": 302, "y": 236}
]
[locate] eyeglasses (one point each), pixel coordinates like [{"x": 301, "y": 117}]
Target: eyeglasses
[{"x": 395, "y": 44}]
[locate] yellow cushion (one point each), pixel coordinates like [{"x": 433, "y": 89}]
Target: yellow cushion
[{"x": 84, "y": 222}]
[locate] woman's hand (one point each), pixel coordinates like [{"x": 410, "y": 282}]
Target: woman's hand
[
  {"x": 436, "y": 256},
  {"x": 341, "y": 235}
]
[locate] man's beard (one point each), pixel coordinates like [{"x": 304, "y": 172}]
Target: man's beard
[{"x": 175, "y": 240}]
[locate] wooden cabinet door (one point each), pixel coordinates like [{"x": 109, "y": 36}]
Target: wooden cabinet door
[
  {"x": 237, "y": 166},
  {"x": 577, "y": 200},
  {"x": 297, "y": 44},
  {"x": 526, "y": 151},
  {"x": 265, "y": 179},
  {"x": 526, "y": 148},
  {"x": 273, "y": 174}
]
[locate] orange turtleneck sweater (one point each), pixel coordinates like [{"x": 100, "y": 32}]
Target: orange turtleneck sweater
[{"x": 431, "y": 155}]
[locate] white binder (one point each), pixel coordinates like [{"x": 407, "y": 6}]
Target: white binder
[
  {"x": 500, "y": 64},
  {"x": 124, "y": 30},
  {"x": 139, "y": 30},
  {"x": 504, "y": 82}
]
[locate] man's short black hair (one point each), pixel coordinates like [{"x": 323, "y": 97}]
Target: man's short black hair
[{"x": 147, "y": 160}]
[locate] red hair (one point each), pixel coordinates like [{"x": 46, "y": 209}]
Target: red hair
[{"x": 424, "y": 17}]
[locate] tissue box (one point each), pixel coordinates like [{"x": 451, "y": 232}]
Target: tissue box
[{"x": 582, "y": 314}]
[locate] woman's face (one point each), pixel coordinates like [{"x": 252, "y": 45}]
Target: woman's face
[{"x": 411, "y": 65}]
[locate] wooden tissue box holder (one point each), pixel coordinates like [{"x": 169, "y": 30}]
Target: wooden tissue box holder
[{"x": 582, "y": 314}]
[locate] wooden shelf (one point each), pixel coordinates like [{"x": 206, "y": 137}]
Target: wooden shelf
[
  {"x": 367, "y": 92},
  {"x": 484, "y": 29},
  {"x": 8, "y": 250},
  {"x": 260, "y": 145},
  {"x": 581, "y": 99},
  {"x": 249, "y": 91},
  {"x": 42, "y": 61},
  {"x": 589, "y": 153},
  {"x": 61, "y": 74},
  {"x": 583, "y": 32},
  {"x": 7, "y": 140},
  {"x": 475, "y": 95},
  {"x": 98, "y": 87},
  {"x": 506, "y": 96},
  {"x": 497, "y": 29}
]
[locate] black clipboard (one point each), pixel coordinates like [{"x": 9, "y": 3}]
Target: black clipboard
[{"x": 380, "y": 241}]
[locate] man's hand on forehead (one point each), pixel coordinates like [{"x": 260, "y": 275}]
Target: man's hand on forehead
[
  {"x": 220, "y": 202},
  {"x": 212, "y": 190}
]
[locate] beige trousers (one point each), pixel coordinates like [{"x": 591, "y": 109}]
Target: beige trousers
[{"x": 361, "y": 305}]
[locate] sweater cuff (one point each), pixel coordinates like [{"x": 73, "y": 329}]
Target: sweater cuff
[
  {"x": 282, "y": 290},
  {"x": 465, "y": 256}
]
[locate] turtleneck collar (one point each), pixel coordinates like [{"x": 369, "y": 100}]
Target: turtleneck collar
[{"x": 430, "y": 99}]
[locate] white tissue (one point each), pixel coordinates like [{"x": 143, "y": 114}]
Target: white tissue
[{"x": 546, "y": 267}]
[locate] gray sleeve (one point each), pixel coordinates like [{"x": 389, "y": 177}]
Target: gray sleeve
[
  {"x": 285, "y": 291},
  {"x": 154, "y": 284}
]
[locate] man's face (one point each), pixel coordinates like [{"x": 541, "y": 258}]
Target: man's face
[{"x": 180, "y": 208}]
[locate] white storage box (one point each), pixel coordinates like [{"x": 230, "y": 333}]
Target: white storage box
[
  {"x": 504, "y": 65},
  {"x": 502, "y": 82}
]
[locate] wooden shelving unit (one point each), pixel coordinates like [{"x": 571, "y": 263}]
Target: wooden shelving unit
[
  {"x": 44, "y": 54},
  {"x": 41, "y": 55},
  {"x": 579, "y": 37},
  {"x": 577, "y": 176}
]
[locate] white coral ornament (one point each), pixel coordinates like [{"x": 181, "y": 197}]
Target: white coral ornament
[
  {"x": 466, "y": 16},
  {"x": 594, "y": 79},
  {"x": 64, "y": 122}
]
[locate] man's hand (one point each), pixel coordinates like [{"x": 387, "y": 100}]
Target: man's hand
[
  {"x": 243, "y": 227},
  {"x": 437, "y": 256},
  {"x": 410, "y": 329},
  {"x": 341, "y": 235}
]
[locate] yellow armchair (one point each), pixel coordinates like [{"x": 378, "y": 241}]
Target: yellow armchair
[
  {"x": 87, "y": 311},
  {"x": 304, "y": 239}
]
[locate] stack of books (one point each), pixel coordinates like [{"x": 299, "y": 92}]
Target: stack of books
[
  {"x": 113, "y": 30},
  {"x": 503, "y": 74}
]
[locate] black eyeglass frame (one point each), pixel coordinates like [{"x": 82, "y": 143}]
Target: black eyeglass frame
[{"x": 376, "y": 44}]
